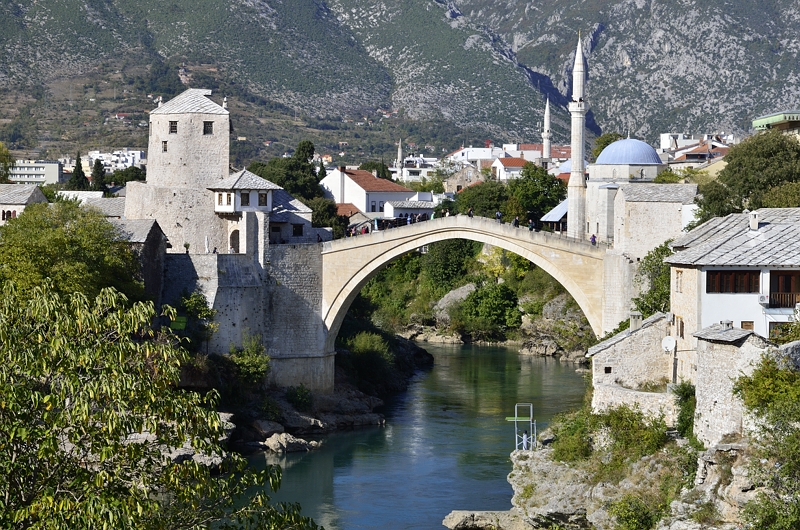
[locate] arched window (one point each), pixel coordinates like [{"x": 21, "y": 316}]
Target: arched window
[
  {"x": 14, "y": 214},
  {"x": 4, "y": 215},
  {"x": 234, "y": 248}
]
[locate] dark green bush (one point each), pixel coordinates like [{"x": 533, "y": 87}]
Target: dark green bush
[
  {"x": 686, "y": 405},
  {"x": 300, "y": 398},
  {"x": 633, "y": 513}
]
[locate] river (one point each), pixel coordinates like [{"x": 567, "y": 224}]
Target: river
[{"x": 445, "y": 445}]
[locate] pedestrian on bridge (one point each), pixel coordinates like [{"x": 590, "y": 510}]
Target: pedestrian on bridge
[
  {"x": 498, "y": 215},
  {"x": 515, "y": 222},
  {"x": 470, "y": 213},
  {"x": 530, "y": 225}
]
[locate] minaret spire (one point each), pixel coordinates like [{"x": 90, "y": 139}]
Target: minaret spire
[
  {"x": 546, "y": 151},
  {"x": 576, "y": 190},
  {"x": 399, "y": 163}
]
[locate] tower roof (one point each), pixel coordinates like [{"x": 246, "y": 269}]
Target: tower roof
[
  {"x": 192, "y": 101},
  {"x": 244, "y": 180},
  {"x": 629, "y": 152}
]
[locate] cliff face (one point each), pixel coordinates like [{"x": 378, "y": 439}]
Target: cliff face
[{"x": 654, "y": 65}]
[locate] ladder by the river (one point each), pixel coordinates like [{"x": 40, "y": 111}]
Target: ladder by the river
[{"x": 524, "y": 426}]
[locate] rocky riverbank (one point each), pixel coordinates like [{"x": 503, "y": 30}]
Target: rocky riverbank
[{"x": 550, "y": 494}]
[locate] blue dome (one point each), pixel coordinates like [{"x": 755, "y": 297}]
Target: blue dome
[
  {"x": 566, "y": 167},
  {"x": 629, "y": 152}
]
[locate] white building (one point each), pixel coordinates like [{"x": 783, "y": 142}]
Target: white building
[
  {"x": 39, "y": 172},
  {"x": 119, "y": 159},
  {"x": 509, "y": 168},
  {"x": 363, "y": 189}
]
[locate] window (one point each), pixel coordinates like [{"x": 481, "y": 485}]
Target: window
[
  {"x": 262, "y": 199},
  {"x": 208, "y": 127},
  {"x": 380, "y": 205},
  {"x": 173, "y": 127},
  {"x": 245, "y": 198},
  {"x": 372, "y": 206},
  {"x": 228, "y": 199},
  {"x": 747, "y": 324},
  {"x": 164, "y": 146},
  {"x": 733, "y": 281},
  {"x": 219, "y": 199},
  {"x": 607, "y": 369},
  {"x": 297, "y": 230},
  {"x": 679, "y": 327},
  {"x": 678, "y": 281}
]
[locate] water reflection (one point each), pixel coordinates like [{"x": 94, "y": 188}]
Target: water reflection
[{"x": 445, "y": 445}]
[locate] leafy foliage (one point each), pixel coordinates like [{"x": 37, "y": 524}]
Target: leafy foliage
[
  {"x": 755, "y": 166},
  {"x": 784, "y": 196},
  {"x": 487, "y": 312},
  {"x": 81, "y": 380},
  {"x": 295, "y": 174},
  {"x": 251, "y": 361},
  {"x": 76, "y": 248},
  {"x": 122, "y": 176},
  {"x": 324, "y": 214},
  {"x": 78, "y": 180},
  {"x": 653, "y": 277},
  {"x": 98, "y": 176},
  {"x": 485, "y": 198},
  {"x": 199, "y": 316},
  {"x": 379, "y": 167},
  {"x": 687, "y": 402},
  {"x": 536, "y": 191},
  {"x": 300, "y": 398},
  {"x": 6, "y": 163},
  {"x": 446, "y": 262},
  {"x": 772, "y": 393},
  {"x": 633, "y": 513},
  {"x": 603, "y": 141}
]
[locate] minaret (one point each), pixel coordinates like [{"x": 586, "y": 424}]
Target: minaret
[
  {"x": 576, "y": 190},
  {"x": 546, "y": 133},
  {"x": 399, "y": 162}
]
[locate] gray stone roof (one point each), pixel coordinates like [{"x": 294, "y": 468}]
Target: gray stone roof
[
  {"x": 284, "y": 207},
  {"x": 412, "y": 205},
  {"x": 194, "y": 100},
  {"x": 244, "y": 180},
  {"x": 718, "y": 333},
  {"x": 649, "y": 192},
  {"x": 135, "y": 230},
  {"x": 622, "y": 335},
  {"x": 20, "y": 194},
  {"x": 110, "y": 207},
  {"x": 728, "y": 241}
]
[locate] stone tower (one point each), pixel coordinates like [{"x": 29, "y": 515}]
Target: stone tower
[
  {"x": 576, "y": 191},
  {"x": 546, "y": 152},
  {"x": 188, "y": 152},
  {"x": 399, "y": 163}
]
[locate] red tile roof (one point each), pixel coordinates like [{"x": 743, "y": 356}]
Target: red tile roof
[
  {"x": 347, "y": 209},
  {"x": 531, "y": 147},
  {"x": 369, "y": 182},
  {"x": 512, "y": 161}
]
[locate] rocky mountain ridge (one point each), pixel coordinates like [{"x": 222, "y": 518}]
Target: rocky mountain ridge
[{"x": 654, "y": 65}]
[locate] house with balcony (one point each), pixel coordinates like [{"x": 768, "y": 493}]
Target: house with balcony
[{"x": 743, "y": 268}]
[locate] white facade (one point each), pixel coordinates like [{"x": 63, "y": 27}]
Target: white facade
[
  {"x": 118, "y": 160},
  {"x": 361, "y": 188},
  {"x": 505, "y": 169},
  {"x": 39, "y": 172}
]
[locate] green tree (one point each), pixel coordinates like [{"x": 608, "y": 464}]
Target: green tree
[
  {"x": 784, "y": 196},
  {"x": 295, "y": 174},
  {"x": 321, "y": 172},
  {"x": 379, "y": 167},
  {"x": 536, "y": 191},
  {"x": 325, "y": 215},
  {"x": 121, "y": 176},
  {"x": 487, "y": 312},
  {"x": 653, "y": 279},
  {"x": 6, "y": 163},
  {"x": 603, "y": 141},
  {"x": 446, "y": 262},
  {"x": 755, "y": 166},
  {"x": 484, "y": 198},
  {"x": 90, "y": 411},
  {"x": 98, "y": 176},
  {"x": 772, "y": 394},
  {"x": 77, "y": 248},
  {"x": 78, "y": 180}
]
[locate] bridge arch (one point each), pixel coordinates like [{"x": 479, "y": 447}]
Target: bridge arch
[{"x": 348, "y": 264}]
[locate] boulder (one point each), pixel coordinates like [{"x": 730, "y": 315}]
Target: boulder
[
  {"x": 447, "y": 301},
  {"x": 286, "y": 443}
]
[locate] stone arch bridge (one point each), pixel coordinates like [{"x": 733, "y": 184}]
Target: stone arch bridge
[{"x": 347, "y": 264}]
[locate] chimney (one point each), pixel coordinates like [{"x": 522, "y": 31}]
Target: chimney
[
  {"x": 636, "y": 320},
  {"x": 225, "y": 102},
  {"x": 753, "y": 220},
  {"x": 375, "y": 173},
  {"x": 726, "y": 325}
]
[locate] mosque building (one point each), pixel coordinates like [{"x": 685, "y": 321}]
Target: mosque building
[{"x": 601, "y": 196}]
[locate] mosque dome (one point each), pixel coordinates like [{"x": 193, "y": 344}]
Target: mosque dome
[
  {"x": 629, "y": 152},
  {"x": 566, "y": 166}
]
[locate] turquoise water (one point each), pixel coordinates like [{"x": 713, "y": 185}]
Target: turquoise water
[{"x": 445, "y": 445}]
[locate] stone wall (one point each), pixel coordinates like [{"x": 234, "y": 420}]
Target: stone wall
[
  {"x": 618, "y": 288},
  {"x": 642, "y": 226},
  {"x": 636, "y": 359},
  {"x": 718, "y": 411},
  {"x": 295, "y": 332},
  {"x": 685, "y": 286},
  {"x": 652, "y": 404}
]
